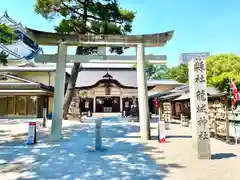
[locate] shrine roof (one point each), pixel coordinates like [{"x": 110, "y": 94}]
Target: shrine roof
[
  {"x": 52, "y": 38},
  {"x": 125, "y": 76},
  {"x": 182, "y": 93},
  {"x": 88, "y": 77}
]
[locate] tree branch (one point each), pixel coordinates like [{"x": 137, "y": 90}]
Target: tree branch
[{"x": 89, "y": 16}]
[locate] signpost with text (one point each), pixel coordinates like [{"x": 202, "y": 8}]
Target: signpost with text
[{"x": 199, "y": 108}]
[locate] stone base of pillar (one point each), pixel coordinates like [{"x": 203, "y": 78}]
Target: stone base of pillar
[{"x": 55, "y": 138}]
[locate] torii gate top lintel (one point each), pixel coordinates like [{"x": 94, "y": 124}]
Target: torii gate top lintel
[{"x": 148, "y": 40}]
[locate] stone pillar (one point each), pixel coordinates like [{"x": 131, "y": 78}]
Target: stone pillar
[
  {"x": 56, "y": 130},
  {"x": 199, "y": 108},
  {"x": 94, "y": 103},
  {"x": 142, "y": 94},
  {"x": 121, "y": 103},
  {"x": 98, "y": 138}
]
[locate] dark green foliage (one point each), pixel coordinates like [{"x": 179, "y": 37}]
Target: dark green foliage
[
  {"x": 178, "y": 73},
  {"x": 7, "y": 36},
  {"x": 3, "y": 58},
  {"x": 88, "y": 17}
]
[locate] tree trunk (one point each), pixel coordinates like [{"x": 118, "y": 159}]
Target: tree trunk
[{"x": 71, "y": 85}]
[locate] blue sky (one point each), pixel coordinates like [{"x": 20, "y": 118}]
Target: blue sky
[{"x": 199, "y": 25}]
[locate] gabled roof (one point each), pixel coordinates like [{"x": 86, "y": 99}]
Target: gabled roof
[{"x": 127, "y": 77}]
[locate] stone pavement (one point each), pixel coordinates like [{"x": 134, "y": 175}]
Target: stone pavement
[
  {"x": 178, "y": 150},
  {"x": 16, "y": 129},
  {"x": 126, "y": 156},
  {"x": 70, "y": 158}
]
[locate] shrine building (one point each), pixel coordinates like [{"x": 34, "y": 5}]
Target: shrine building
[
  {"x": 25, "y": 89},
  {"x": 110, "y": 90}
]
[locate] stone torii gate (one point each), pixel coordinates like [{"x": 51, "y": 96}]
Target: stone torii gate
[{"x": 63, "y": 40}]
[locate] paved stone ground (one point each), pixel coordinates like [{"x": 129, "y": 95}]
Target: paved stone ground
[
  {"x": 16, "y": 129},
  {"x": 126, "y": 156},
  {"x": 178, "y": 150},
  {"x": 71, "y": 159}
]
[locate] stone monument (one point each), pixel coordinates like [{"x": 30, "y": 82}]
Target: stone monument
[{"x": 199, "y": 108}]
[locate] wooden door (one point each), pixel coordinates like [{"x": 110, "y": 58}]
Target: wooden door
[
  {"x": 115, "y": 104},
  {"x": 86, "y": 104},
  {"x": 99, "y": 104},
  {"x": 11, "y": 105},
  {"x": 21, "y": 108},
  {"x": 31, "y": 105}
]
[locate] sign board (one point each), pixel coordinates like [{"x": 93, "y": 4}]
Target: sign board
[
  {"x": 31, "y": 133},
  {"x": 161, "y": 132},
  {"x": 199, "y": 107}
]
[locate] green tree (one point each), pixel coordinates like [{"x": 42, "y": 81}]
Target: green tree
[
  {"x": 178, "y": 73},
  {"x": 7, "y": 36},
  {"x": 220, "y": 68},
  {"x": 155, "y": 71},
  {"x": 86, "y": 17}
]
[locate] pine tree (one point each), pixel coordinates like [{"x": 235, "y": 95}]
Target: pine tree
[
  {"x": 7, "y": 36},
  {"x": 94, "y": 17}
]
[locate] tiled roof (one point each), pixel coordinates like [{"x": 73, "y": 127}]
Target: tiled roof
[
  {"x": 42, "y": 86},
  {"x": 125, "y": 76},
  {"x": 182, "y": 93},
  {"x": 89, "y": 77}
]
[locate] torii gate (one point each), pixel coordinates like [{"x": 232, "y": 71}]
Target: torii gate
[{"x": 63, "y": 40}]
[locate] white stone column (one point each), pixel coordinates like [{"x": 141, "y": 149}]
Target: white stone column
[
  {"x": 142, "y": 94},
  {"x": 56, "y": 130},
  {"x": 94, "y": 103},
  {"x": 199, "y": 108},
  {"x": 121, "y": 103}
]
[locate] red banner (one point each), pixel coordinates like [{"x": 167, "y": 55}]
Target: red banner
[
  {"x": 156, "y": 103},
  {"x": 234, "y": 92}
]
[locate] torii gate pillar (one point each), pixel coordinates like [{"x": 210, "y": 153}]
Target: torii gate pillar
[
  {"x": 142, "y": 94},
  {"x": 56, "y": 131}
]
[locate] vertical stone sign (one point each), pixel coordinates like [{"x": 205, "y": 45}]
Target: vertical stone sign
[{"x": 199, "y": 108}]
